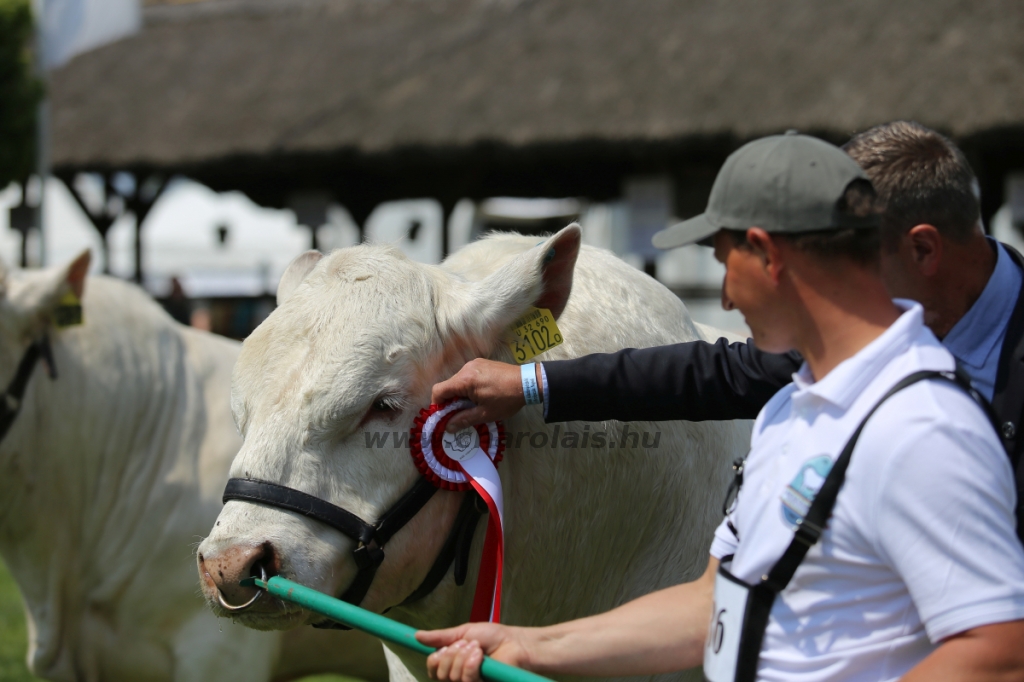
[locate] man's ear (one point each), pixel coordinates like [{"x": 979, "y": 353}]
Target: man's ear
[
  {"x": 295, "y": 273},
  {"x": 541, "y": 277},
  {"x": 767, "y": 249},
  {"x": 925, "y": 247}
]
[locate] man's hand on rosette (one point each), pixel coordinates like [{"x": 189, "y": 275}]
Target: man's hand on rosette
[
  {"x": 496, "y": 388},
  {"x": 460, "y": 650}
]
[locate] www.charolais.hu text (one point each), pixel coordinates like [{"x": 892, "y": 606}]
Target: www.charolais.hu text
[{"x": 557, "y": 437}]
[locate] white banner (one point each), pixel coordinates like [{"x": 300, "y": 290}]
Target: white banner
[{"x": 70, "y": 27}]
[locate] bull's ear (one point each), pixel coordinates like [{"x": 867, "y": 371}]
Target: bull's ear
[
  {"x": 57, "y": 281},
  {"x": 75, "y": 272},
  {"x": 541, "y": 277},
  {"x": 295, "y": 273},
  {"x": 41, "y": 291},
  {"x": 556, "y": 267}
]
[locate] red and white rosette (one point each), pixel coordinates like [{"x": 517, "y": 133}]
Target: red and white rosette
[{"x": 460, "y": 461}]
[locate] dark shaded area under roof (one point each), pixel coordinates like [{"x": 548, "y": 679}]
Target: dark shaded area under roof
[{"x": 373, "y": 100}]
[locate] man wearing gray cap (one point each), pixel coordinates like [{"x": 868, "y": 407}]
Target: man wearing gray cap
[{"x": 870, "y": 535}]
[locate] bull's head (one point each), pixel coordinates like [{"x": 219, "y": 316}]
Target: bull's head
[
  {"x": 326, "y": 389},
  {"x": 30, "y": 299}
]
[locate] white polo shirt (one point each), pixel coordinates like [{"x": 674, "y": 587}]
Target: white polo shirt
[{"x": 921, "y": 544}]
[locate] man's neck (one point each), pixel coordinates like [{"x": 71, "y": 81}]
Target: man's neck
[
  {"x": 840, "y": 315},
  {"x": 963, "y": 275}
]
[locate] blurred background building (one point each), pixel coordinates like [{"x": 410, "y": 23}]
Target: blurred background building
[{"x": 221, "y": 138}]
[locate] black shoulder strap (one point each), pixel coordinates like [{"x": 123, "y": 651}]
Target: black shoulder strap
[{"x": 810, "y": 529}]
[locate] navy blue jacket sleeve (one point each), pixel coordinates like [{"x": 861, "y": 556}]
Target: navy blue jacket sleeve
[{"x": 694, "y": 381}]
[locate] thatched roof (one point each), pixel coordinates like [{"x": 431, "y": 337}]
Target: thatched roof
[{"x": 213, "y": 87}]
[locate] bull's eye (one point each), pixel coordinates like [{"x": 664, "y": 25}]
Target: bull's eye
[{"x": 385, "y": 405}]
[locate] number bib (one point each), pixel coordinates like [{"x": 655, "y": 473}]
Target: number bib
[{"x": 721, "y": 652}]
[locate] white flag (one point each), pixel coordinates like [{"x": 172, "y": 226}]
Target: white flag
[{"x": 70, "y": 27}]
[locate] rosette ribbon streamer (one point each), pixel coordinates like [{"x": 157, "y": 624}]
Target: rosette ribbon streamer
[{"x": 463, "y": 461}]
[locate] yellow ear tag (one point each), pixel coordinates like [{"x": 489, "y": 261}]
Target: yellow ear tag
[
  {"x": 68, "y": 312},
  {"x": 532, "y": 334}
]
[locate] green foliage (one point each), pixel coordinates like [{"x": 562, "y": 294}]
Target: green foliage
[
  {"x": 13, "y": 641},
  {"x": 20, "y": 92}
]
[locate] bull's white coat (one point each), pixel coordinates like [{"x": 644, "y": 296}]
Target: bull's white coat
[
  {"x": 109, "y": 477},
  {"x": 586, "y": 528}
]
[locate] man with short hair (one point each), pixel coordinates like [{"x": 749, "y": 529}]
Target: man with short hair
[
  {"x": 890, "y": 557},
  {"x": 934, "y": 251}
]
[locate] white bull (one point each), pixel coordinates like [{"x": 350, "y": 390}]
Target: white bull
[
  {"x": 109, "y": 476},
  {"x": 352, "y": 351}
]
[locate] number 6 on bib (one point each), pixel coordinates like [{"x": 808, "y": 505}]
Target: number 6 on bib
[{"x": 721, "y": 651}]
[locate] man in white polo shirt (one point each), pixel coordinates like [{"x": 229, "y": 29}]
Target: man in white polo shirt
[{"x": 877, "y": 553}]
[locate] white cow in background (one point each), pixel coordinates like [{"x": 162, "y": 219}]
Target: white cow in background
[
  {"x": 109, "y": 476},
  {"x": 359, "y": 338}
]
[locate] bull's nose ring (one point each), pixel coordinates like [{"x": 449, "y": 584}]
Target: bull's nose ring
[{"x": 242, "y": 607}]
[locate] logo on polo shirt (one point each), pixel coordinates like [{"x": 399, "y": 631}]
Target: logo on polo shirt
[{"x": 798, "y": 495}]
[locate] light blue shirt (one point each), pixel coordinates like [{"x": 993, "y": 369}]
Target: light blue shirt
[{"x": 977, "y": 339}]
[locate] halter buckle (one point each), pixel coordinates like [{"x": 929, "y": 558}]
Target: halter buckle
[{"x": 369, "y": 555}]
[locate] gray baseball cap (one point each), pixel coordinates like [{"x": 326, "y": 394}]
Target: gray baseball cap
[{"x": 784, "y": 183}]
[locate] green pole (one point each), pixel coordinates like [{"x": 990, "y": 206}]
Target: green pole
[{"x": 378, "y": 626}]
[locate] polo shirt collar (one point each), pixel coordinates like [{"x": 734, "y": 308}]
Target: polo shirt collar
[
  {"x": 974, "y": 337},
  {"x": 850, "y": 377}
]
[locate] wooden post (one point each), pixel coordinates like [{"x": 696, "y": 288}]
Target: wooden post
[
  {"x": 140, "y": 203},
  {"x": 102, "y": 220}
]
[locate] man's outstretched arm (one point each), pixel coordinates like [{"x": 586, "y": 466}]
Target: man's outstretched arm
[
  {"x": 696, "y": 381},
  {"x": 657, "y": 633}
]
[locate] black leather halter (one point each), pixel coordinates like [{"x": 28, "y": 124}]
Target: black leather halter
[
  {"x": 370, "y": 538},
  {"x": 10, "y": 401}
]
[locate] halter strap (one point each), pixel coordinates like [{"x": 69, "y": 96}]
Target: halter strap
[
  {"x": 370, "y": 537},
  {"x": 282, "y": 497},
  {"x": 455, "y": 549},
  {"x": 10, "y": 401}
]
